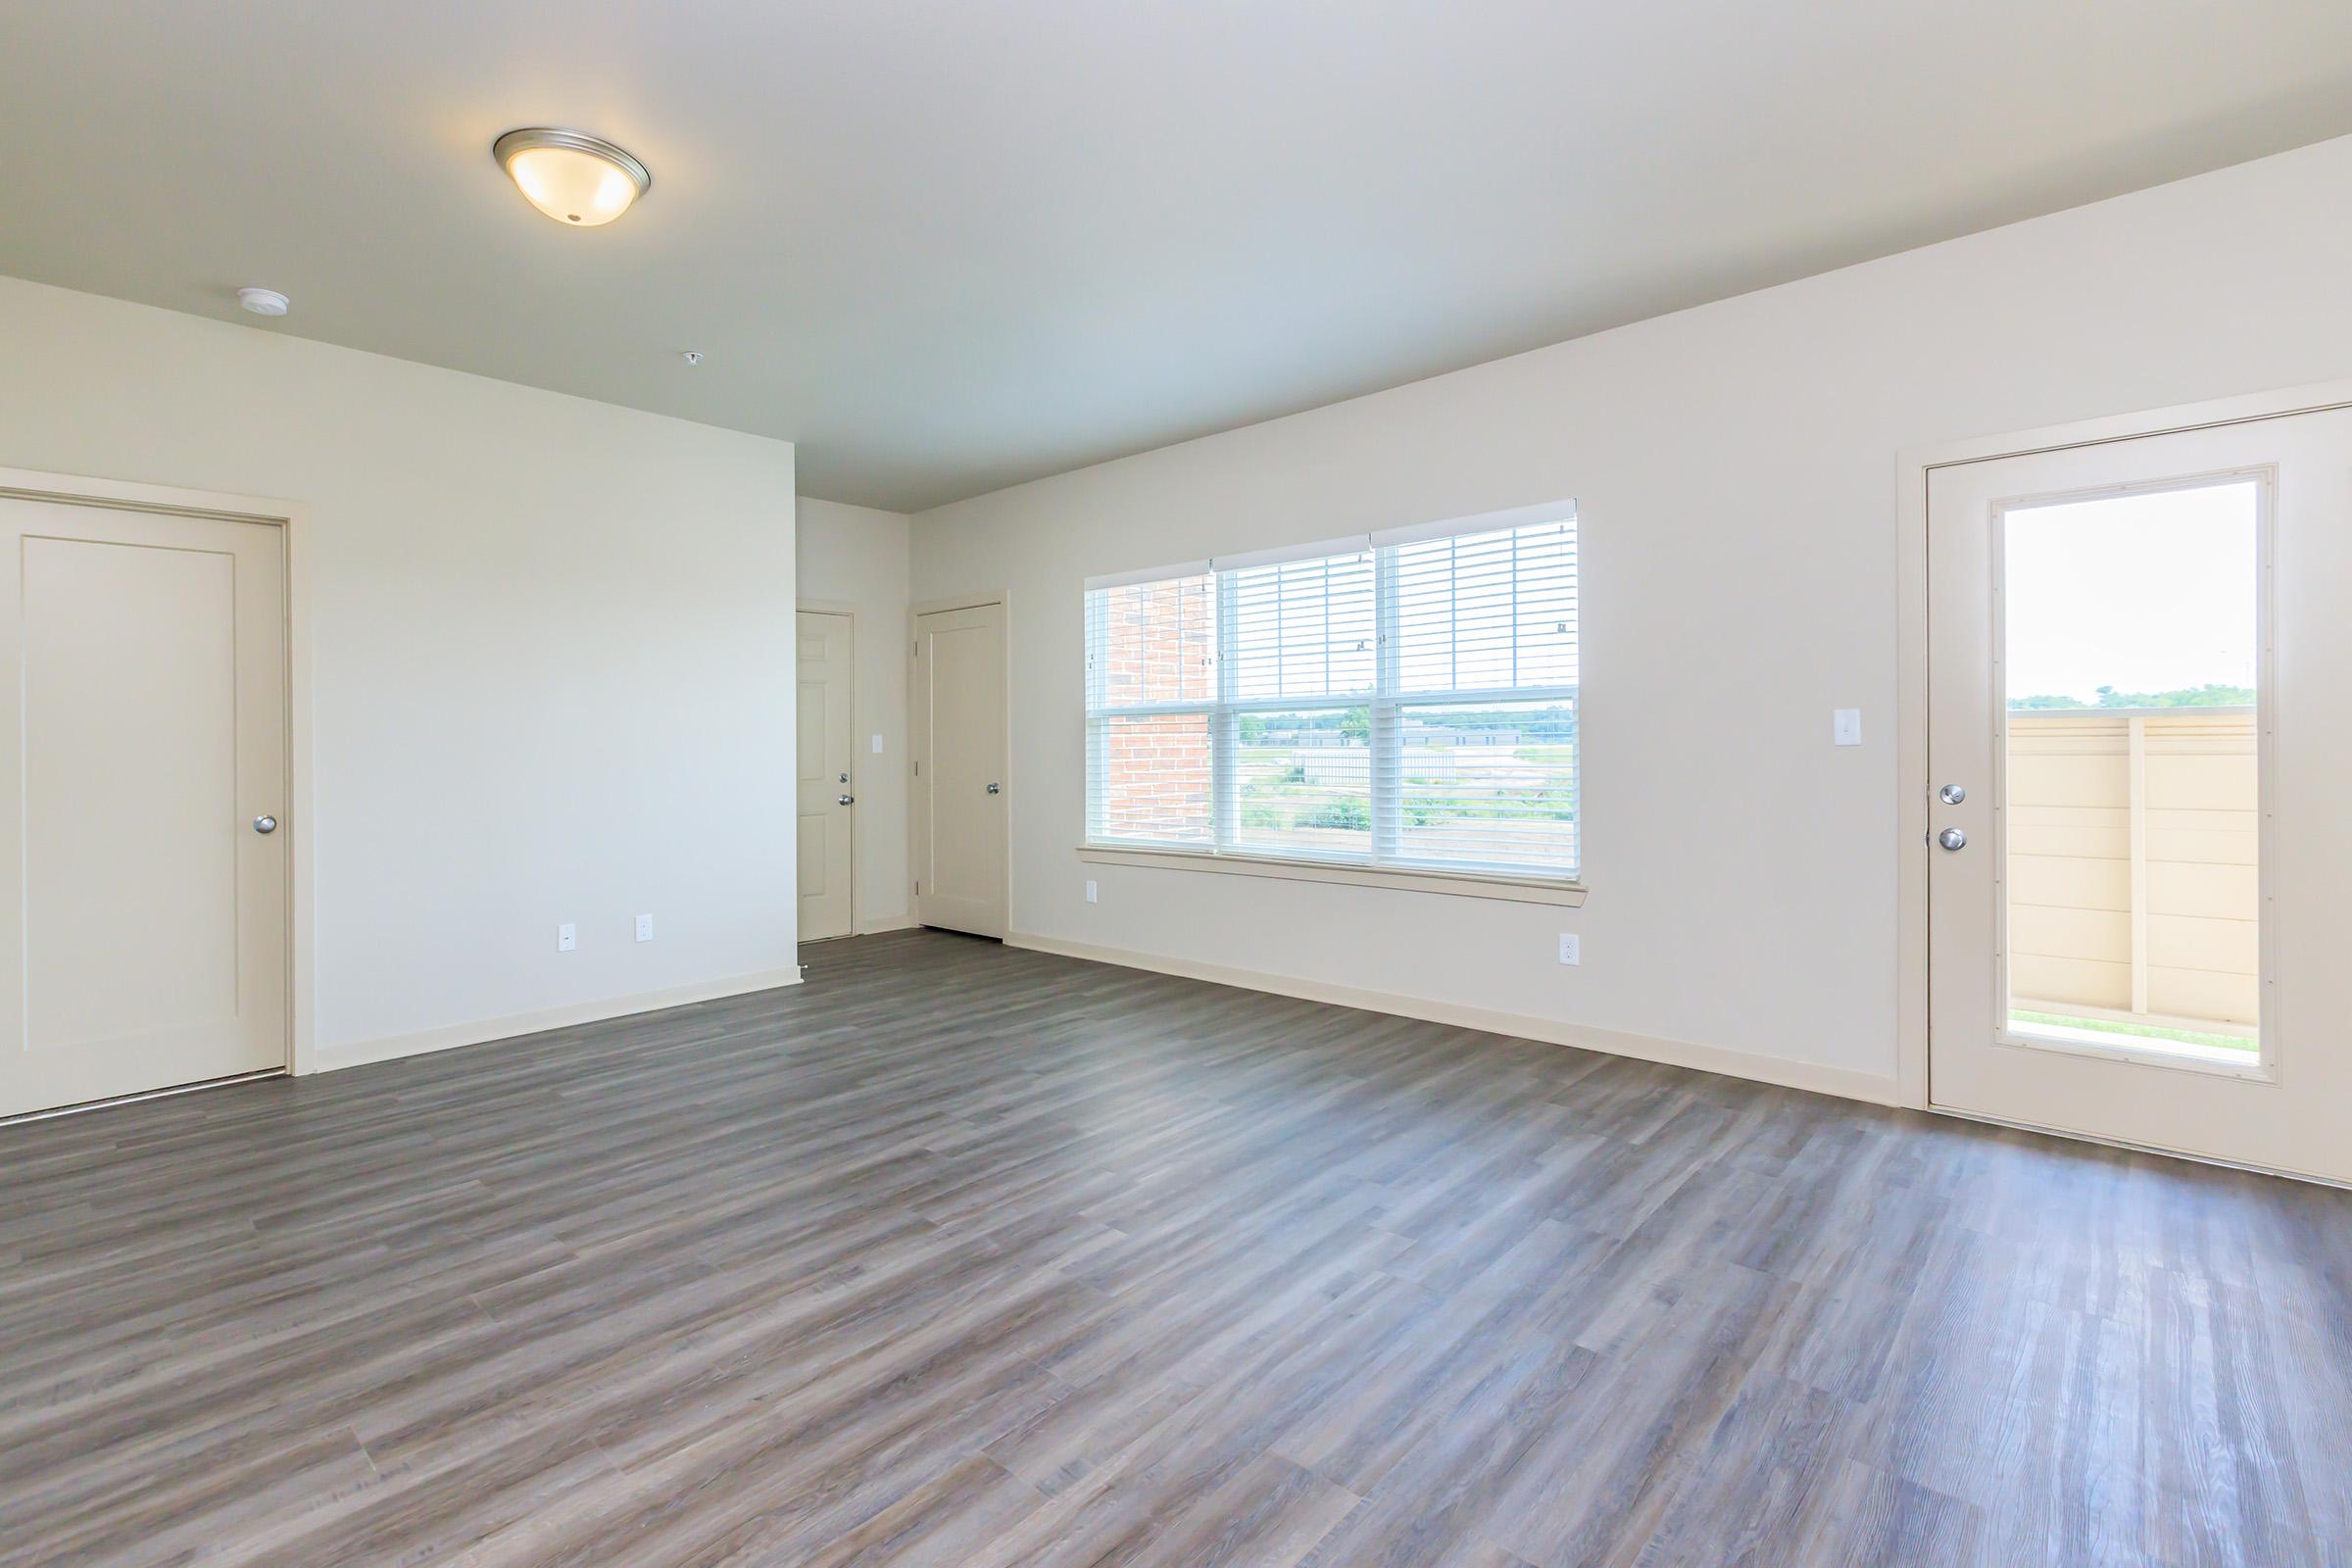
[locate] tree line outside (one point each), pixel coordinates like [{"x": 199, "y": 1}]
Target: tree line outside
[
  {"x": 1277, "y": 795},
  {"x": 2207, "y": 696}
]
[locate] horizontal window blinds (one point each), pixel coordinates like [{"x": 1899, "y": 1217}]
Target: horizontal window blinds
[
  {"x": 1304, "y": 629},
  {"x": 1411, "y": 703}
]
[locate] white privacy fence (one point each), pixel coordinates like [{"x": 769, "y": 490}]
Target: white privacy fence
[{"x": 2133, "y": 876}]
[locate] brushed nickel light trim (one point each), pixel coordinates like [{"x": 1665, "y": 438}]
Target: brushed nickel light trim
[{"x": 535, "y": 138}]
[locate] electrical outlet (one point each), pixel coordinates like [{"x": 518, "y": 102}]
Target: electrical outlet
[
  {"x": 645, "y": 928},
  {"x": 567, "y": 938},
  {"x": 1091, "y": 896},
  {"x": 1570, "y": 948}
]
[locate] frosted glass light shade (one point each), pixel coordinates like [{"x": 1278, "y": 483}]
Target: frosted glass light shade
[{"x": 572, "y": 178}]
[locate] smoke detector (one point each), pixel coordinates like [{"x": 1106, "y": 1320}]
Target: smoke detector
[{"x": 263, "y": 301}]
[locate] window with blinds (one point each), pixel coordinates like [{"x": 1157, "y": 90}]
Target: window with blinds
[{"x": 1406, "y": 699}]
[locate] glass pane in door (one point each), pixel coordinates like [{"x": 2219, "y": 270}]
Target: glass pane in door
[{"x": 2131, "y": 649}]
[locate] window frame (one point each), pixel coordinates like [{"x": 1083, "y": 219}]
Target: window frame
[{"x": 1382, "y": 862}]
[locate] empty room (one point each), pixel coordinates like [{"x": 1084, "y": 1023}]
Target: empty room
[{"x": 1008, "y": 784}]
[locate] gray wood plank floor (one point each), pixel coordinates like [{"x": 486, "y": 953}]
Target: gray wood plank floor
[{"x": 963, "y": 1255}]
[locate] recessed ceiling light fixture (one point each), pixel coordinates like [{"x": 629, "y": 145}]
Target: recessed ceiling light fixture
[{"x": 571, "y": 177}]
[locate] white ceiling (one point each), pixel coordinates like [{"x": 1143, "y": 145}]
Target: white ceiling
[{"x": 952, "y": 244}]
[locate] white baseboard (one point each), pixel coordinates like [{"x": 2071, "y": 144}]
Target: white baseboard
[
  {"x": 1871, "y": 1088},
  {"x": 389, "y": 1048}
]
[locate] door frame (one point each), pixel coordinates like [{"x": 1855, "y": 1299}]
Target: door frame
[
  {"x": 292, "y": 522},
  {"x": 1913, "y": 468},
  {"x": 849, "y": 612},
  {"x": 915, "y": 611}
]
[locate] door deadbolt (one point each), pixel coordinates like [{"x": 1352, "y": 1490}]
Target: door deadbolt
[
  {"x": 1951, "y": 793},
  {"x": 993, "y": 790}
]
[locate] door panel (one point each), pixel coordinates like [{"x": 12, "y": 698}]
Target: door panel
[
  {"x": 2140, "y": 677},
  {"x": 128, "y": 658},
  {"x": 827, "y": 831},
  {"x": 960, "y": 786},
  {"x": 145, "y": 944}
]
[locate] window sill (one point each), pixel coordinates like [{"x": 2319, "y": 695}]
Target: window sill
[
  {"x": 1456, "y": 884},
  {"x": 2207, "y": 1059}
]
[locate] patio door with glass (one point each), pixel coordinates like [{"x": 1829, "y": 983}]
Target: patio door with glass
[{"x": 2139, "y": 717}]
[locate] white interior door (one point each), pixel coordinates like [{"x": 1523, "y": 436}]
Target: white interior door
[
  {"x": 143, "y": 743},
  {"x": 2140, "y": 721},
  {"x": 959, "y": 782},
  {"x": 828, "y": 790}
]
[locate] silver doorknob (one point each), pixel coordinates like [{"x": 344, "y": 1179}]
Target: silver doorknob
[
  {"x": 265, "y": 824},
  {"x": 845, "y": 800},
  {"x": 1951, "y": 793},
  {"x": 1951, "y": 838},
  {"x": 993, "y": 789}
]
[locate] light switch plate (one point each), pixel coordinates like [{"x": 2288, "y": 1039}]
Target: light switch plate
[
  {"x": 1090, "y": 892},
  {"x": 566, "y": 939},
  {"x": 877, "y": 746},
  {"x": 645, "y": 928},
  {"x": 1845, "y": 726}
]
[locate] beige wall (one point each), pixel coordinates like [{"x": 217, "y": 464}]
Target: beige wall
[
  {"x": 857, "y": 555},
  {"x": 553, "y": 657},
  {"x": 2075, "y": 780},
  {"x": 1735, "y": 469}
]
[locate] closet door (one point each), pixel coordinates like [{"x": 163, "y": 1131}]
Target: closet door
[
  {"x": 959, "y": 785},
  {"x": 142, "y": 770}
]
